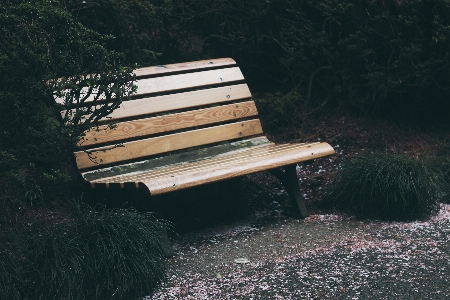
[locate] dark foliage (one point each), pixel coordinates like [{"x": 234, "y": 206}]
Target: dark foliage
[
  {"x": 387, "y": 187},
  {"x": 441, "y": 163},
  {"x": 388, "y": 58},
  {"x": 104, "y": 254},
  {"x": 141, "y": 28},
  {"x": 9, "y": 275},
  {"x": 40, "y": 42}
]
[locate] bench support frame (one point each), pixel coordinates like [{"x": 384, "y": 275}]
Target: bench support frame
[{"x": 290, "y": 181}]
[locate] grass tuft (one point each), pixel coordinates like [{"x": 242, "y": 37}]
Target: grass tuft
[
  {"x": 387, "y": 187},
  {"x": 105, "y": 254},
  {"x": 441, "y": 163},
  {"x": 9, "y": 276}
]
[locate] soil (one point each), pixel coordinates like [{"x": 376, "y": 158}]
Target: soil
[
  {"x": 321, "y": 257},
  {"x": 244, "y": 247}
]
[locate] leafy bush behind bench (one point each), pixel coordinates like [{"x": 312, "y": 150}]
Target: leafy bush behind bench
[
  {"x": 380, "y": 57},
  {"x": 384, "y": 57}
]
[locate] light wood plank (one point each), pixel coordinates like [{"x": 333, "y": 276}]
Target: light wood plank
[
  {"x": 250, "y": 160},
  {"x": 254, "y": 152},
  {"x": 178, "y": 158},
  {"x": 189, "y": 80},
  {"x": 177, "y": 141},
  {"x": 187, "y": 66},
  {"x": 180, "y": 81},
  {"x": 183, "y": 120},
  {"x": 245, "y": 166},
  {"x": 179, "y": 67},
  {"x": 171, "y": 68},
  {"x": 160, "y": 104},
  {"x": 192, "y": 167}
]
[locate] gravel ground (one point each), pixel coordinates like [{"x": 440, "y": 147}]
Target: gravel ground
[
  {"x": 332, "y": 256},
  {"x": 321, "y": 257}
]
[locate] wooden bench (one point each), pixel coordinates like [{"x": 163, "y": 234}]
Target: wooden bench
[{"x": 189, "y": 124}]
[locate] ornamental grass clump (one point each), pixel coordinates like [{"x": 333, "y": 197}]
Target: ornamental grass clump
[
  {"x": 9, "y": 275},
  {"x": 441, "y": 163},
  {"x": 126, "y": 252},
  {"x": 104, "y": 254},
  {"x": 387, "y": 187}
]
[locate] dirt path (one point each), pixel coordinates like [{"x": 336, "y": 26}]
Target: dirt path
[{"x": 321, "y": 257}]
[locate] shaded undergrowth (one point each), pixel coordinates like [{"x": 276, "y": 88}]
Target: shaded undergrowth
[
  {"x": 9, "y": 275},
  {"x": 441, "y": 162},
  {"x": 387, "y": 187},
  {"x": 102, "y": 254}
]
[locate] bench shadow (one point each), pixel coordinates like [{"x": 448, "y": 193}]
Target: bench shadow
[{"x": 191, "y": 209}]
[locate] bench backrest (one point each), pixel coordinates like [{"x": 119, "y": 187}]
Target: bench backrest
[{"x": 176, "y": 107}]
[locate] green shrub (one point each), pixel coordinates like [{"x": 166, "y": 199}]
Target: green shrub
[
  {"x": 386, "y": 57},
  {"x": 441, "y": 163},
  {"x": 41, "y": 41},
  {"x": 8, "y": 275},
  {"x": 387, "y": 187},
  {"x": 140, "y": 27},
  {"x": 105, "y": 254},
  {"x": 444, "y": 167},
  {"x": 279, "y": 110}
]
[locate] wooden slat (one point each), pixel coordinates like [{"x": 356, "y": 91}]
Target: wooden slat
[
  {"x": 187, "y": 66},
  {"x": 179, "y": 169},
  {"x": 189, "y": 80},
  {"x": 180, "y": 67},
  {"x": 249, "y": 161},
  {"x": 180, "y": 82},
  {"x": 246, "y": 165},
  {"x": 159, "y": 104},
  {"x": 188, "y": 167},
  {"x": 191, "y": 155},
  {"x": 183, "y": 120},
  {"x": 152, "y": 146}
]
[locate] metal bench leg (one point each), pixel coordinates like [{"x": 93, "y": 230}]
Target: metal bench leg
[{"x": 290, "y": 181}]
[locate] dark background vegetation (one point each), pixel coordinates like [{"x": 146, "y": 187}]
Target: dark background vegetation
[{"x": 303, "y": 60}]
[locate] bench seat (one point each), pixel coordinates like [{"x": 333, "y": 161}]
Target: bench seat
[{"x": 191, "y": 169}]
